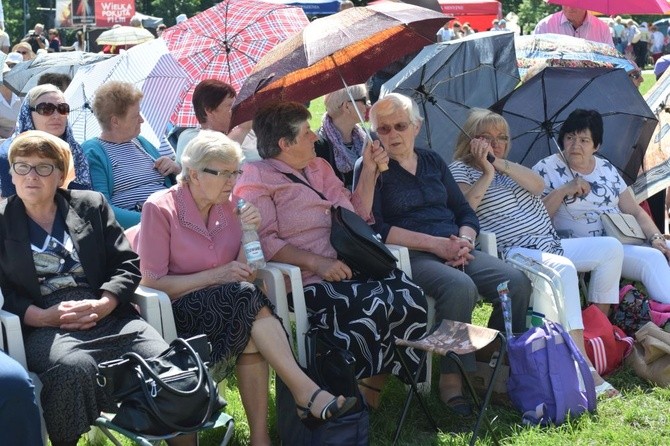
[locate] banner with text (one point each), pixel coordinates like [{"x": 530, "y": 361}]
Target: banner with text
[
  {"x": 113, "y": 12},
  {"x": 98, "y": 13}
]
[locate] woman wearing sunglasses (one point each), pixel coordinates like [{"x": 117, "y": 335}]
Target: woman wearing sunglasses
[
  {"x": 417, "y": 204},
  {"x": 125, "y": 167},
  {"x": 578, "y": 192},
  {"x": 507, "y": 199},
  {"x": 45, "y": 109}
]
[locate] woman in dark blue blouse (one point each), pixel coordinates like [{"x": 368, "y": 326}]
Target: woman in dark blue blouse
[{"x": 418, "y": 204}]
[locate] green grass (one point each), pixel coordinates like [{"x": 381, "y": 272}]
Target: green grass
[{"x": 649, "y": 81}]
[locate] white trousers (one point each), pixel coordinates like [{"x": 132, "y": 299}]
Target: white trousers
[
  {"x": 602, "y": 256},
  {"x": 649, "y": 266}
]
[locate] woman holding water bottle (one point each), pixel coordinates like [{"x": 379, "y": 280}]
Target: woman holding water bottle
[{"x": 190, "y": 247}]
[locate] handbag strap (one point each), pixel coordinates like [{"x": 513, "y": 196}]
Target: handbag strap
[{"x": 295, "y": 179}]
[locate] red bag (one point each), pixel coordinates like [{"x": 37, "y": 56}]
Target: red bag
[{"x": 606, "y": 345}]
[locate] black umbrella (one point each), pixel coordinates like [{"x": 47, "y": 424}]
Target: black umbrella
[
  {"x": 536, "y": 110},
  {"x": 448, "y": 79}
]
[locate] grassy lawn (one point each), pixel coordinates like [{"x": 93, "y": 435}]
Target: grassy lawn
[{"x": 639, "y": 417}]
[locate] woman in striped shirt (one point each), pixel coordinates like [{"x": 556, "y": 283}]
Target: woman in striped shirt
[
  {"x": 507, "y": 199},
  {"x": 125, "y": 167}
]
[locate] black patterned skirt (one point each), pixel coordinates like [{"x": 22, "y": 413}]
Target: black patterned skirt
[
  {"x": 66, "y": 363},
  {"x": 366, "y": 317},
  {"x": 224, "y": 313}
]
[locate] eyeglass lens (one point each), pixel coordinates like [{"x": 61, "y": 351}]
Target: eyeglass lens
[
  {"x": 43, "y": 170},
  {"x": 226, "y": 175},
  {"x": 48, "y": 109},
  {"x": 502, "y": 140},
  {"x": 398, "y": 126}
]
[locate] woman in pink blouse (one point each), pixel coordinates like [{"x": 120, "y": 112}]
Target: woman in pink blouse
[
  {"x": 363, "y": 316},
  {"x": 190, "y": 247}
]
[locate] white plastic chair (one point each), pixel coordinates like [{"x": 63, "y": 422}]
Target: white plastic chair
[{"x": 152, "y": 308}]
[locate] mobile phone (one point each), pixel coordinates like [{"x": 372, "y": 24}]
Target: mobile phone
[{"x": 490, "y": 158}]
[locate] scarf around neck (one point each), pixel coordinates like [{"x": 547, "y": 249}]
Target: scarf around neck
[{"x": 345, "y": 158}]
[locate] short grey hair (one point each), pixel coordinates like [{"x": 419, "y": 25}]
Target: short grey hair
[
  {"x": 208, "y": 146},
  {"x": 36, "y": 92},
  {"x": 392, "y": 103},
  {"x": 333, "y": 101}
]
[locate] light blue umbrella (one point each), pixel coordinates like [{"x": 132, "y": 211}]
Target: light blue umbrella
[
  {"x": 566, "y": 51},
  {"x": 448, "y": 79}
]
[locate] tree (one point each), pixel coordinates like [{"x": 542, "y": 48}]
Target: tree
[{"x": 532, "y": 11}]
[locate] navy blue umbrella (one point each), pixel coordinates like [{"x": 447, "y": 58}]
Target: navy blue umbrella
[
  {"x": 536, "y": 110},
  {"x": 448, "y": 79}
]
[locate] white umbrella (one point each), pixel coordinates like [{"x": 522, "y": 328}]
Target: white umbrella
[
  {"x": 124, "y": 35},
  {"x": 152, "y": 69}
]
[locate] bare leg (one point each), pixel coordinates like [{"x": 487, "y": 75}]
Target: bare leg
[
  {"x": 578, "y": 338},
  {"x": 252, "y": 381},
  {"x": 451, "y": 385},
  {"x": 269, "y": 337},
  {"x": 371, "y": 389}
]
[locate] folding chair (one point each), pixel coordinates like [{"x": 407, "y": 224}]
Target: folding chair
[
  {"x": 452, "y": 339},
  {"x": 220, "y": 419}
]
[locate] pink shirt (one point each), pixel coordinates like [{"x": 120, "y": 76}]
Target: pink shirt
[
  {"x": 592, "y": 29},
  {"x": 174, "y": 239},
  {"x": 292, "y": 213}
]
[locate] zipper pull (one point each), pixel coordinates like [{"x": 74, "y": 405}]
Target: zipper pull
[{"x": 154, "y": 389}]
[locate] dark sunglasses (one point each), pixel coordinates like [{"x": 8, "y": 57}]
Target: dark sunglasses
[
  {"x": 22, "y": 52},
  {"x": 48, "y": 109},
  {"x": 635, "y": 75},
  {"x": 398, "y": 126}
]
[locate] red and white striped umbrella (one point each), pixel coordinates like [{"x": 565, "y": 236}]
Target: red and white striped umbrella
[{"x": 225, "y": 42}]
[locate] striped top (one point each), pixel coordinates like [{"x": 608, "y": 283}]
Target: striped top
[
  {"x": 517, "y": 217},
  {"x": 134, "y": 175}
]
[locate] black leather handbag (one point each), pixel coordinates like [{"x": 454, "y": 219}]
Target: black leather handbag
[
  {"x": 172, "y": 392},
  {"x": 356, "y": 242}
]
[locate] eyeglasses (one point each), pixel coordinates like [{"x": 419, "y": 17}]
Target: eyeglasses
[
  {"x": 22, "y": 52},
  {"x": 226, "y": 175},
  {"x": 48, "y": 109},
  {"x": 635, "y": 75},
  {"x": 364, "y": 101},
  {"x": 43, "y": 170},
  {"x": 398, "y": 127},
  {"x": 498, "y": 140}
]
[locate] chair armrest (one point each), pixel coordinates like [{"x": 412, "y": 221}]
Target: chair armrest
[
  {"x": 299, "y": 306},
  {"x": 488, "y": 243},
  {"x": 156, "y": 309},
  {"x": 273, "y": 284},
  {"x": 402, "y": 254},
  {"x": 13, "y": 338}
]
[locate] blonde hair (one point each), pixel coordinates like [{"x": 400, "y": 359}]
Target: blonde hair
[
  {"x": 479, "y": 119},
  {"x": 333, "y": 101},
  {"x": 35, "y": 93},
  {"x": 43, "y": 145},
  {"x": 208, "y": 146}
]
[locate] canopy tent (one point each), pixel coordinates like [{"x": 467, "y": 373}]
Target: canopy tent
[
  {"x": 479, "y": 13},
  {"x": 312, "y": 7}
]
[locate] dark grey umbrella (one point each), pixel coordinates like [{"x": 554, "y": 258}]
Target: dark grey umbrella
[
  {"x": 448, "y": 79},
  {"x": 25, "y": 75},
  {"x": 536, "y": 110}
]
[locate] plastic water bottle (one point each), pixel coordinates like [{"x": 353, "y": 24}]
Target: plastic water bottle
[
  {"x": 503, "y": 294},
  {"x": 251, "y": 242}
]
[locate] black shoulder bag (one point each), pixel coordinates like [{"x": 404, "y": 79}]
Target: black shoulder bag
[
  {"x": 172, "y": 392},
  {"x": 356, "y": 243}
]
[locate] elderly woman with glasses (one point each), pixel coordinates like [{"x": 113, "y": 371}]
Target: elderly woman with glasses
[
  {"x": 359, "y": 314},
  {"x": 190, "y": 246},
  {"x": 25, "y": 50},
  {"x": 507, "y": 199},
  {"x": 69, "y": 273},
  {"x": 418, "y": 204},
  {"x": 125, "y": 167},
  {"x": 579, "y": 187},
  {"x": 45, "y": 109},
  {"x": 341, "y": 138}
]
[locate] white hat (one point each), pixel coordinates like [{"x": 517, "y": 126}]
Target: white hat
[
  {"x": 643, "y": 24},
  {"x": 14, "y": 57},
  {"x": 181, "y": 17}
]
